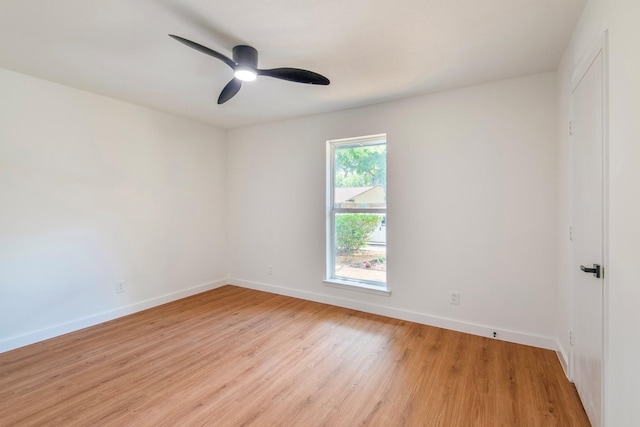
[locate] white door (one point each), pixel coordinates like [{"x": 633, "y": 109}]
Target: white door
[{"x": 587, "y": 142}]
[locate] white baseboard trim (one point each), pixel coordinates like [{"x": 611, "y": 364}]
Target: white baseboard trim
[
  {"x": 94, "y": 319},
  {"x": 412, "y": 316},
  {"x": 397, "y": 313},
  {"x": 564, "y": 359}
]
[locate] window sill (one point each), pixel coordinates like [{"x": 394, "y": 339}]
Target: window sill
[{"x": 357, "y": 286}]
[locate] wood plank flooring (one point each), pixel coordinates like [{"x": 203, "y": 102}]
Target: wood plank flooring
[{"x": 238, "y": 357}]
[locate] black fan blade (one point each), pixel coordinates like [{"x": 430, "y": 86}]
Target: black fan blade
[
  {"x": 230, "y": 62},
  {"x": 229, "y": 91},
  {"x": 295, "y": 75}
]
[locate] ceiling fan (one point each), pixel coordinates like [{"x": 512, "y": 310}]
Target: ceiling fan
[{"x": 245, "y": 68}]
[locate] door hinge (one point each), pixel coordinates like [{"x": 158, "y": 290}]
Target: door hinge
[
  {"x": 571, "y": 234},
  {"x": 570, "y": 127},
  {"x": 570, "y": 338}
]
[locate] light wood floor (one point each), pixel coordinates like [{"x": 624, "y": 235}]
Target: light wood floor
[{"x": 236, "y": 357}]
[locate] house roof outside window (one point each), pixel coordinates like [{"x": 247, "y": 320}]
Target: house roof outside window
[{"x": 350, "y": 197}]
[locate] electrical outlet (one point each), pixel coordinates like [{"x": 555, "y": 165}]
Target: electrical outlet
[
  {"x": 454, "y": 298},
  {"x": 119, "y": 287},
  {"x": 270, "y": 269}
]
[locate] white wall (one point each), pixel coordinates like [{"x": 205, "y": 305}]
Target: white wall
[
  {"x": 624, "y": 220},
  {"x": 472, "y": 178},
  {"x": 622, "y": 376},
  {"x": 95, "y": 191}
]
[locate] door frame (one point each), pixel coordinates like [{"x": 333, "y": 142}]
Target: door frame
[{"x": 600, "y": 46}]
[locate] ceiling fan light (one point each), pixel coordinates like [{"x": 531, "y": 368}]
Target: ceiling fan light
[{"x": 245, "y": 74}]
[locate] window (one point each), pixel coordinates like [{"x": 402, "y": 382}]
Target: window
[{"x": 356, "y": 212}]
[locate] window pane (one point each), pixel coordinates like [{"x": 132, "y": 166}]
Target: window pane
[
  {"x": 360, "y": 247},
  {"x": 360, "y": 176},
  {"x": 356, "y": 221}
]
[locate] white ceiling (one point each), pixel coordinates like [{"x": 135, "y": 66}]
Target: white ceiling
[{"x": 371, "y": 50}]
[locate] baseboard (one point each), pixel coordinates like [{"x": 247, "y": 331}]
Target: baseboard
[
  {"x": 426, "y": 319},
  {"x": 412, "y": 316},
  {"x": 564, "y": 359},
  {"x": 94, "y": 319}
]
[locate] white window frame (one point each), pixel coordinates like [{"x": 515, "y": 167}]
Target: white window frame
[{"x": 331, "y": 279}]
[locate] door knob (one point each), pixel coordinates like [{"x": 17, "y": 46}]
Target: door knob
[{"x": 596, "y": 270}]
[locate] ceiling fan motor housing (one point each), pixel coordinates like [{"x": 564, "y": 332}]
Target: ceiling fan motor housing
[{"x": 246, "y": 56}]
